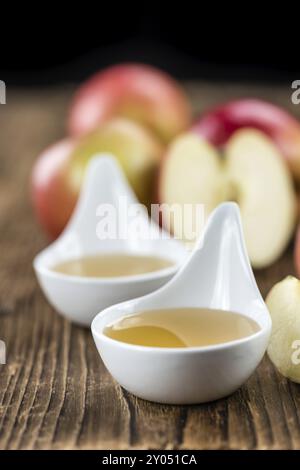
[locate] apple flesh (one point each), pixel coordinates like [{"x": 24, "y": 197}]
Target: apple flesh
[
  {"x": 283, "y": 302},
  {"x": 139, "y": 92},
  {"x": 191, "y": 172},
  {"x": 251, "y": 172},
  {"x": 297, "y": 251},
  {"x": 265, "y": 193},
  {"x": 219, "y": 124},
  {"x": 58, "y": 172}
]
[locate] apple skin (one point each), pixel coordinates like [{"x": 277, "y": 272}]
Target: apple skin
[
  {"x": 136, "y": 91},
  {"x": 220, "y": 123},
  {"x": 53, "y": 195},
  {"x": 58, "y": 172}
]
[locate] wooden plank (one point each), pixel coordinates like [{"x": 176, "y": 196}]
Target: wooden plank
[{"x": 54, "y": 390}]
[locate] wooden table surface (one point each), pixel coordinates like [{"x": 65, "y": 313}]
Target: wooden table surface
[{"x": 54, "y": 390}]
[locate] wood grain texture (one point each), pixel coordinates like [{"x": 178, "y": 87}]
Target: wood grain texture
[{"x": 54, "y": 390}]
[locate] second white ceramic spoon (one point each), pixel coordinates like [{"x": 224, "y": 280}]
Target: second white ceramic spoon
[
  {"x": 217, "y": 275},
  {"x": 80, "y": 298}
]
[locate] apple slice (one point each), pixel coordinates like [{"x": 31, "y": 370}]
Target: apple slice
[
  {"x": 283, "y": 302},
  {"x": 251, "y": 172},
  {"x": 191, "y": 173},
  {"x": 265, "y": 194}
]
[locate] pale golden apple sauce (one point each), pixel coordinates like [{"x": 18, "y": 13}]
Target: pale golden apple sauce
[
  {"x": 181, "y": 327},
  {"x": 112, "y": 265}
]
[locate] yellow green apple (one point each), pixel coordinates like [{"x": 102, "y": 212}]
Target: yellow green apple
[{"x": 58, "y": 172}]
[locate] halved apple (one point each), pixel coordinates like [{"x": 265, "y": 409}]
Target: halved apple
[
  {"x": 218, "y": 124},
  {"x": 251, "y": 172}
]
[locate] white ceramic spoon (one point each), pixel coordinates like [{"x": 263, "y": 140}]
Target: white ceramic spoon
[
  {"x": 80, "y": 298},
  {"x": 217, "y": 275}
]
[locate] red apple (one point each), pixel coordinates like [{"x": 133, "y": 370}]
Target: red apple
[
  {"x": 58, "y": 172},
  {"x": 53, "y": 195},
  {"x": 136, "y": 91},
  {"x": 219, "y": 124}
]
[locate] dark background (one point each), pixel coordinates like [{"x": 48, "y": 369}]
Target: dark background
[{"x": 51, "y": 44}]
